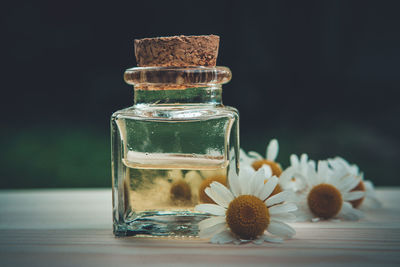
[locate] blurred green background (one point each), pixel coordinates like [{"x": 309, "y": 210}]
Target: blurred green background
[{"x": 320, "y": 76}]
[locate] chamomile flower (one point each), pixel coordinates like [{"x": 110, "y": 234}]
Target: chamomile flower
[
  {"x": 327, "y": 194},
  {"x": 180, "y": 191},
  {"x": 370, "y": 199},
  {"x": 245, "y": 212},
  {"x": 256, "y": 160},
  {"x": 297, "y": 165}
]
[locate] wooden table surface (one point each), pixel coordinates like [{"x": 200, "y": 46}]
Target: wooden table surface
[{"x": 73, "y": 228}]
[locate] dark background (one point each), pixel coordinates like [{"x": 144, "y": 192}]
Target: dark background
[{"x": 321, "y": 76}]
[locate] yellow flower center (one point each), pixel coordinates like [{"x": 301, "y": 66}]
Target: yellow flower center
[
  {"x": 247, "y": 217},
  {"x": 180, "y": 191},
  {"x": 206, "y": 183},
  {"x": 360, "y": 187},
  {"x": 324, "y": 201},
  {"x": 275, "y": 168}
]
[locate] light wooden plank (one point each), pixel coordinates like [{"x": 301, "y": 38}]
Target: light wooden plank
[
  {"x": 73, "y": 228},
  {"x": 56, "y": 209}
]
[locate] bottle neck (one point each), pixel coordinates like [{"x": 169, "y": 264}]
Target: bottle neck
[
  {"x": 209, "y": 95},
  {"x": 196, "y": 85}
]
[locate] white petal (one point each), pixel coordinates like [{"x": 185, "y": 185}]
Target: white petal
[
  {"x": 338, "y": 174},
  {"x": 212, "y": 230},
  {"x": 284, "y": 217},
  {"x": 244, "y": 159},
  {"x": 211, "y": 222},
  {"x": 280, "y": 229},
  {"x": 272, "y": 150},
  {"x": 215, "y": 197},
  {"x": 296, "y": 186},
  {"x": 304, "y": 158},
  {"x": 268, "y": 187},
  {"x": 353, "y": 195},
  {"x": 323, "y": 168},
  {"x": 281, "y": 208},
  {"x": 194, "y": 179},
  {"x": 311, "y": 163},
  {"x": 335, "y": 182},
  {"x": 338, "y": 163},
  {"x": 223, "y": 238},
  {"x": 273, "y": 239},
  {"x": 312, "y": 177},
  {"x": 222, "y": 190},
  {"x": 211, "y": 208},
  {"x": 174, "y": 175},
  {"x": 255, "y": 155},
  {"x": 294, "y": 160},
  {"x": 278, "y": 198},
  {"x": 286, "y": 176},
  {"x": 220, "y": 194},
  {"x": 267, "y": 170},
  {"x": 258, "y": 180},
  {"x": 247, "y": 171},
  {"x": 233, "y": 181},
  {"x": 354, "y": 169},
  {"x": 348, "y": 183},
  {"x": 303, "y": 215},
  {"x": 259, "y": 240},
  {"x": 244, "y": 179},
  {"x": 244, "y": 185},
  {"x": 349, "y": 213}
]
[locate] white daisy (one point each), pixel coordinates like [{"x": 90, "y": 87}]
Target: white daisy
[
  {"x": 287, "y": 181},
  {"x": 327, "y": 194},
  {"x": 246, "y": 212},
  {"x": 256, "y": 160},
  {"x": 370, "y": 200}
]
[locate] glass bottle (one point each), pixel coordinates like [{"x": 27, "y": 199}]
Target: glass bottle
[{"x": 176, "y": 135}]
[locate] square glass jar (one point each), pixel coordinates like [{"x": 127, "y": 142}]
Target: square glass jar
[{"x": 176, "y": 139}]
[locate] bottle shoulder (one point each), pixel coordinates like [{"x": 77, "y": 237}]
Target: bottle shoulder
[{"x": 176, "y": 112}]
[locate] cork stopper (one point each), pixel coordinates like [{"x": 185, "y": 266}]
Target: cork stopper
[{"x": 177, "y": 51}]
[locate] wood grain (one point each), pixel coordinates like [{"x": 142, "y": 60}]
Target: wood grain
[{"x": 73, "y": 228}]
